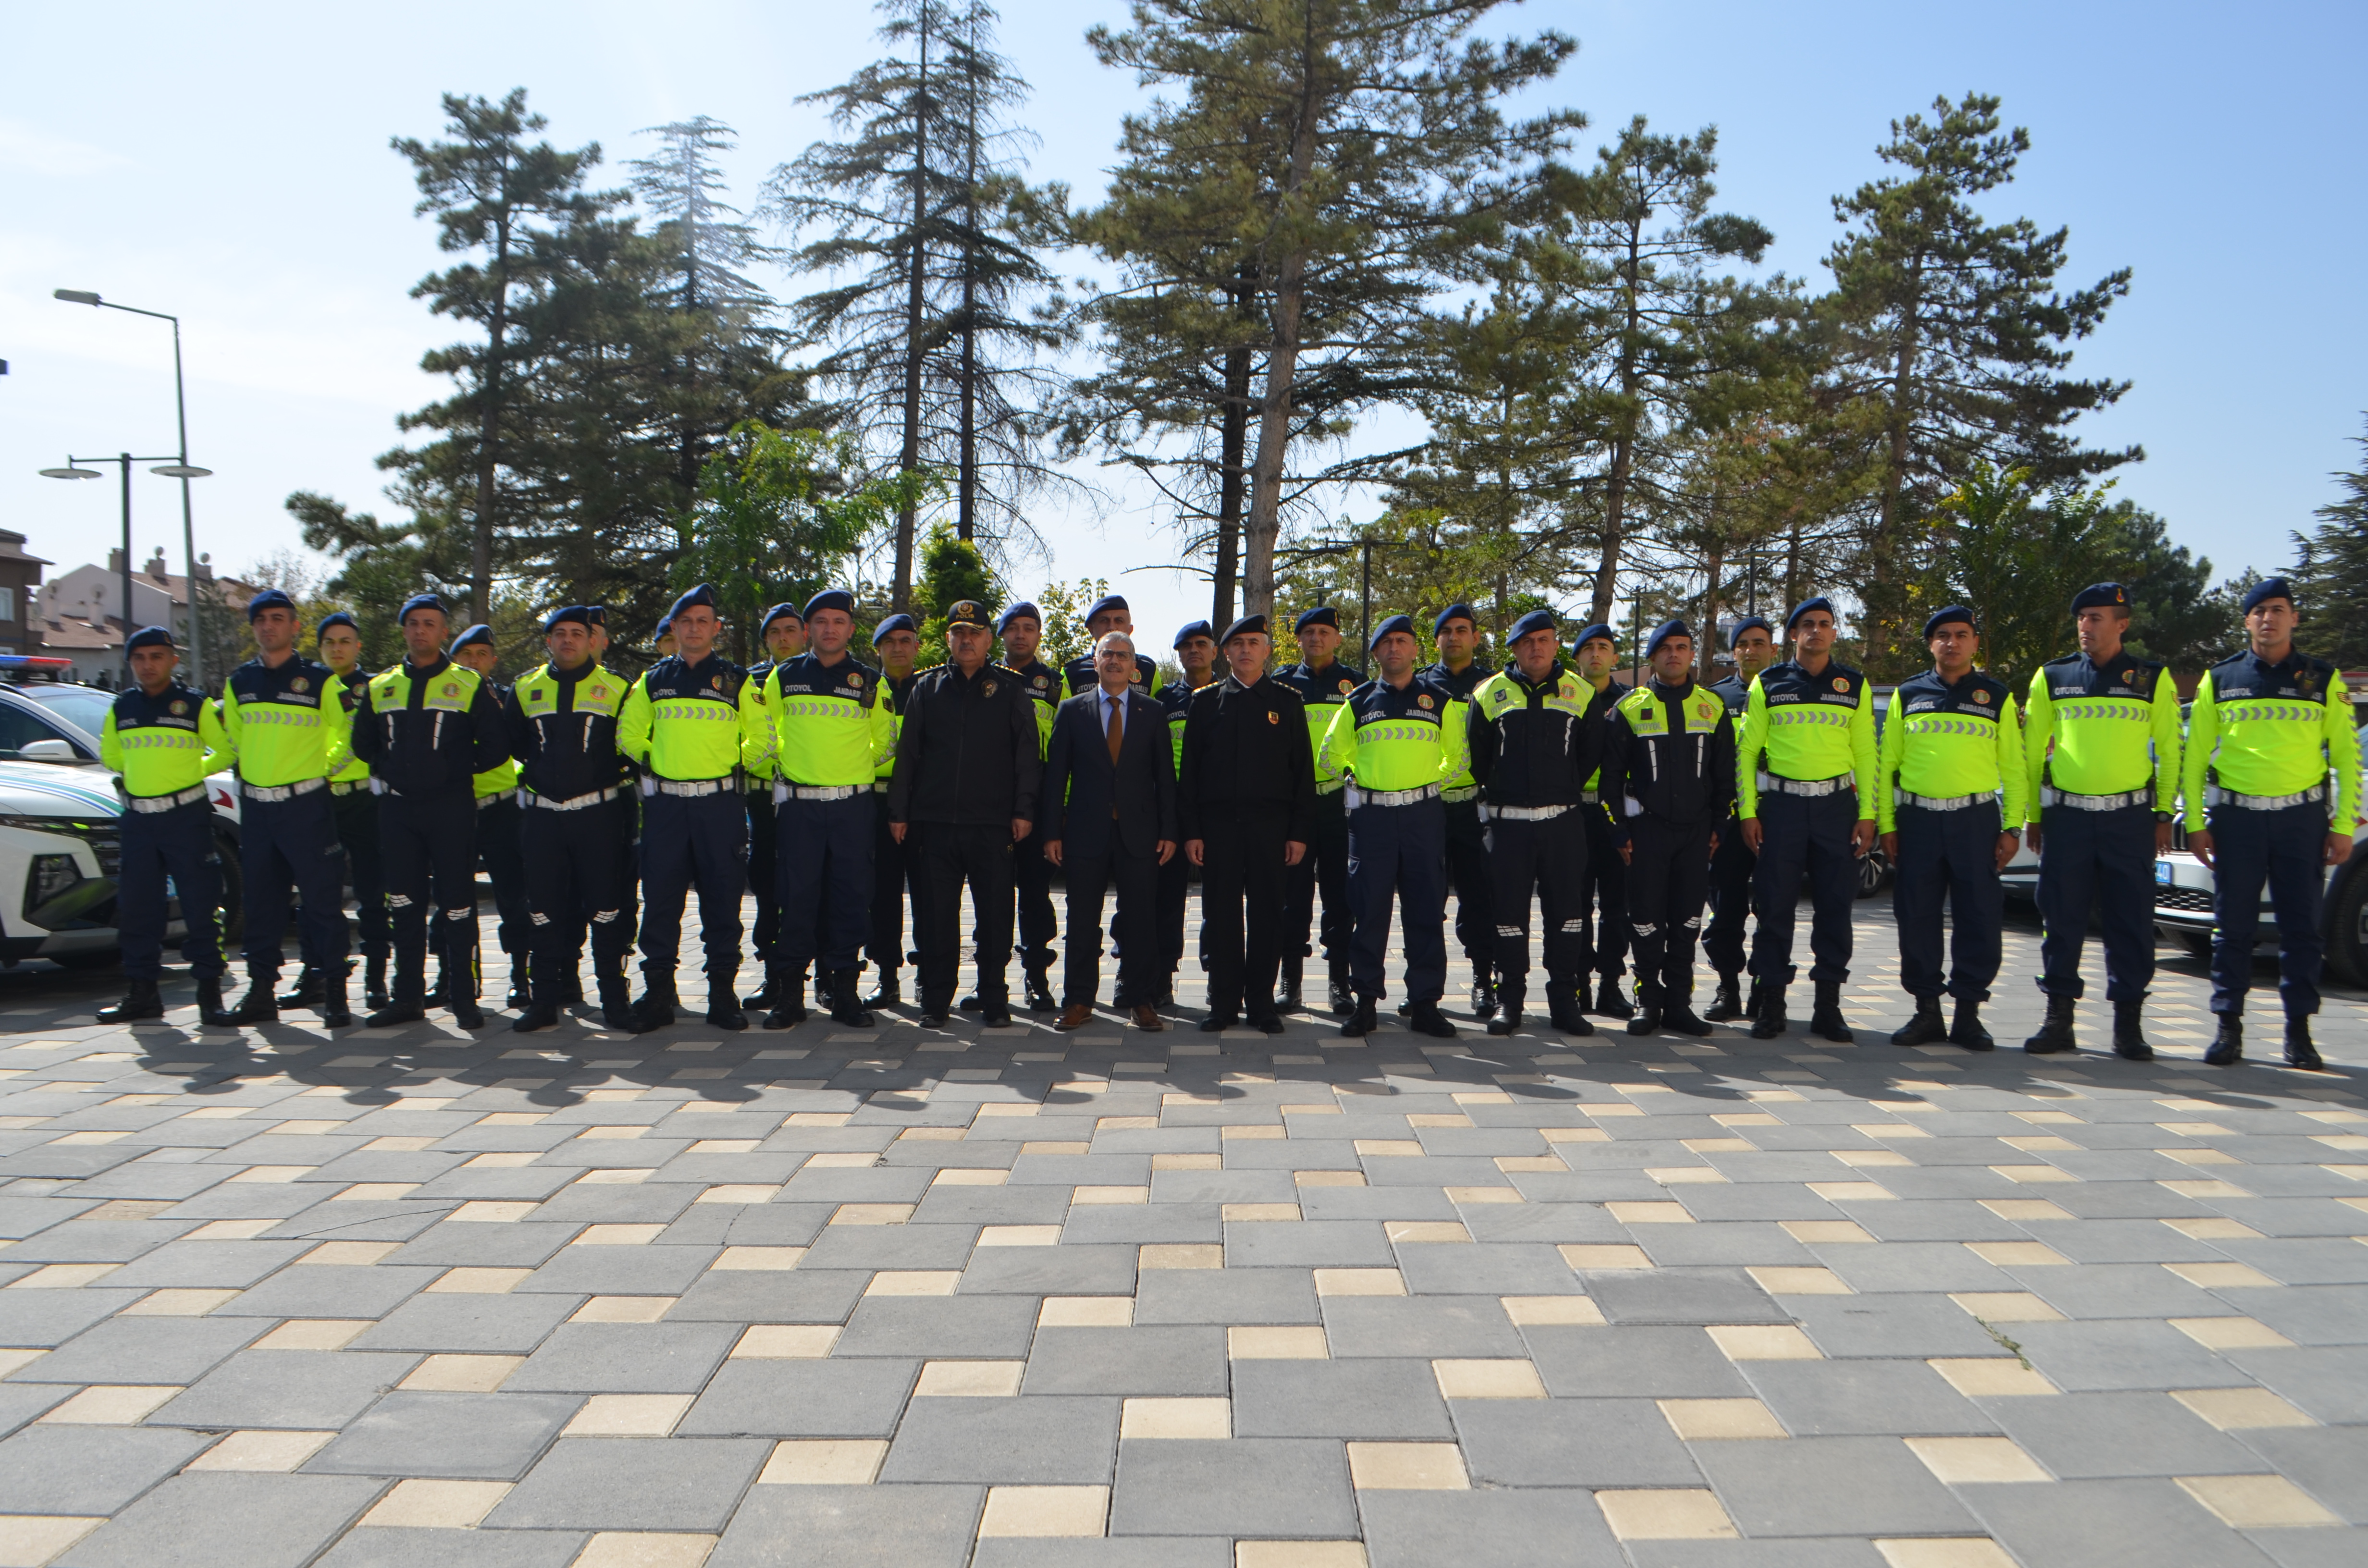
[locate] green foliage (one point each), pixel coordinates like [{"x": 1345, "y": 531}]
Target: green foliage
[
  {"x": 2015, "y": 555},
  {"x": 2176, "y": 614},
  {"x": 2331, "y": 575},
  {"x": 1064, "y": 619},
  {"x": 952, "y": 569}
]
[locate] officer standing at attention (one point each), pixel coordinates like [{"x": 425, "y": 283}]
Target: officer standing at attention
[
  {"x": 1804, "y": 793},
  {"x": 340, "y": 642},
  {"x": 782, "y": 636},
  {"x": 1244, "y": 806},
  {"x": 1196, "y": 650},
  {"x": 1948, "y": 795},
  {"x": 1535, "y": 748},
  {"x": 897, "y": 641},
  {"x": 1456, "y": 632},
  {"x": 962, "y": 794},
  {"x": 428, "y": 728},
  {"x": 498, "y": 814},
  {"x": 1399, "y": 738},
  {"x": 827, "y": 730},
  {"x": 1021, "y": 628},
  {"x": 681, "y": 723},
  {"x": 283, "y": 722},
  {"x": 161, "y": 739},
  {"x": 1322, "y": 684},
  {"x": 2267, "y": 726},
  {"x": 1603, "y": 899},
  {"x": 2102, "y": 744},
  {"x": 1669, "y": 773},
  {"x": 563, "y": 730},
  {"x": 1753, "y": 642}
]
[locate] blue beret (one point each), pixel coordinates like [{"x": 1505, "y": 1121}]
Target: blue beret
[
  {"x": 2268, "y": 588},
  {"x": 1003, "y": 622},
  {"x": 579, "y": 614},
  {"x": 421, "y": 601},
  {"x": 1536, "y": 621},
  {"x": 1947, "y": 615},
  {"x": 1322, "y": 615},
  {"x": 1734, "y": 632},
  {"x": 1107, "y": 602},
  {"x": 149, "y": 637},
  {"x": 337, "y": 617},
  {"x": 1192, "y": 629},
  {"x": 779, "y": 612},
  {"x": 2104, "y": 595},
  {"x": 1663, "y": 632},
  {"x": 900, "y": 622},
  {"x": 700, "y": 595},
  {"x": 1591, "y": 633},
  {"x": 1247, "y": 626},
  {"x": 829, "y": 598},
  {"x": 1396, "y": 623},
  {"x": 1806, "y": 606},
  {"x": 270, "y": 598},
  {"x": 478, "y": 633},
  {"x": 595, "y": 614},
  {"x": 1452, "y": 612},
  {"x": 665, "y": 630}
]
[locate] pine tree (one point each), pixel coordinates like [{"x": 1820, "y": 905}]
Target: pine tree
[{"x": 2332, "y": 575}]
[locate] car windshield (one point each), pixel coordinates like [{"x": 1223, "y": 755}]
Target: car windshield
[{"x": 83, "y": 706}]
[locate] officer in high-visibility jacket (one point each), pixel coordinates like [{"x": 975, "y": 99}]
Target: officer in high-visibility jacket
[
  {"x": 1603, "y": 897},
  {"x": 498, "y": 816},
  {"x": 1668, "y": 771},
  {"x": 428, "y": 729},
  {"x": 826, "y": 727},
  {"x": 161, "y": 738},
  {"x": 2267, "y": 728},
  {"x": 782, "y": 636},
  {"x": 563, "y": 730},
  {"x": 339, "y": 639},
  {"x": 283, "y": 722},
  {"x": 895, "y": 876},
  {"x": 1196, "y": 650},
  {"x": 1021, "y": 630},
  {"x": 1399, "y": 738},
  {"x": 1804, "y": 794},
  {"x": 1948, "y": 795},
  {"x": 1456, "y": 632},
  {"x": 1753, "y": 642},
  {"x": 681, "y": 723},
  {"x": 2101, "y": 747},
  {"x": 1323, "y": 685}
]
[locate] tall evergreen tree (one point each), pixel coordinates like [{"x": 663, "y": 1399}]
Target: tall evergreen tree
[{"x": 2332, "y": 575}]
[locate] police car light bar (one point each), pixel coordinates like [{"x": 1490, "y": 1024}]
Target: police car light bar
[{"x": 33, "y": 662}]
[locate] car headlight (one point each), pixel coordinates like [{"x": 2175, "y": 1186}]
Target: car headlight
[{"x": 51, "y": 875}]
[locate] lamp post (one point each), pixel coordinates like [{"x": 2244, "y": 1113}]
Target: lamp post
[{"x": 180, "y": 470}]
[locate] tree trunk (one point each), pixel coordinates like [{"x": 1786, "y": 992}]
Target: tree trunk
[
  {"x": 1884, "y": 566},
  {"x": 966, "y": 503},
  {"x": 1265, "y": 526},
  {"x": 916, "y": 267},
  {"x": 1623, "y": 444},
  {"x": 1233, "y": 440},
  {"x": 687, "y": 458},
  {"x": 1706, "y": 644},
  {"x": 480, "y": 548},
  {"x": 1792, "y": 573}
]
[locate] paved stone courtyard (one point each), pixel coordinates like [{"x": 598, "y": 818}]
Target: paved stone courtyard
[{"x": 1006, "y": 1296}]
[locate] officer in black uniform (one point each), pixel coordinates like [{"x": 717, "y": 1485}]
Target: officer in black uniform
[
  {"x": 1245, "y": 806},
  {"x": 428, "y": 728},
  {"x": 895, "y": 876},
  {"x": 1322, "y": 683},
  {"x": 498, "y": 813},
  {"x": 1604, "y": 898},
  {"x": 1455, "y": 631},
  {"x": 1753, "y": 642},
  {"x": 1196, "y": 650},
  {"x": 1021, "y": 628},
  {"x": 962, "y": 794},
  {"x": 782, "y": 636}
]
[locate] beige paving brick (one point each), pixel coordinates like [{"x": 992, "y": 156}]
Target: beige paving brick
[
  {"x": 872, "y": 1214},
  {"x": 376, "y": 1191},
  {"x": 2214, "y": 1229},
  {"x": 1979, "y": 1377},
  {"x": 758, "y": 1258},
  {"x": 1274, "y": 1343},
  {"x": 629, "y": 1415},
  {"x": 493, "y": 1211},
  {"x": 1180, "y": 1255},
  {"x": 1327, "y": 1178},
  {"x": 1944, "y": 1552},
  {"x": 1603, "y": 1254},
  {"x": 1499, "y": 1378},
  {"x": 969, "y": 1379},
  {"x": 460, "y": 1374},
  {"x": 2241, "y": 1410},
  {"x": 436, "y": 1504},
  {"x": 2026, "y": 1208},
  {"x": 785, "y": 1341},
  {"x": 1044, "y": 1511},
  {"x": 824, "y": 1462},
  {"x": 2231, "y": 1333},
  {"x": 2256, "y": 1502},
  {"x": 739, "y": 1192},
  {"x": 66, "y": 1276},
  {"x": 2205, "y": 1189},
  {"x": 1579, "y": 1312},
  {"x": 1086, "y": 1312},
  {"x": 1039, "y": 1235},
  {"x": 1827, "y": 1233},
  {"x": 1359, "y": 1282},
  {"x": 17, "y": 1361},
  {"x": 914, "y": 1282},
  {"x": 1763, "y": 1342},
  {"x": 2017, "y": 1254},
  {"x": 1251, "y": 1129},
  {"x": 2006, "y": 1306},
  {"x": 230, "y": 1231},
  {"x": 617, "y": 1236},
  {"x": 644, "y": 1549},
  {"x": 1701, "y": 1420},
  {"x": 2223, "y": 1276},
  {"x": 1407, "y": 1467},
  {"x": 111, "y": 1405},
  {"x": 965, "y": 1176},
  {"x": 1299, "y": 1554},
  {"x": 1426, "y": 1231},
  {"x": 1789, "y": 1280},
  {"x": 32, "y": 1539},
  {"x": 1094, "y": 1195},
  {"x": 277, "y": 1452},
  {"x": 1665, "y": 1514},
  {"x": 1389, "y": 1148},
  {"x": 1471, "y": 1195},
  {"x": 177, "y": 1303},
  {"x": 313, "y": 1334},
  {"x": 1850, "y": 1191},
  {"x": 1645, "y": 1212},
  {"x": 623, "y": 1309},
  {"x": 1963, "y": 1462},
  {"x": 1184, "y": 1161},
  {"x": 1175, "y": 1418}
]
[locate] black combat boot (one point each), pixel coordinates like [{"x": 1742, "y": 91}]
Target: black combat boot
[
  {"x": 1608, "y": 1002},
  {"x": 1483, "y": 990},
  {"x": 2129, "y": 1033},
  {"x": 767, "y": 996},
  {"x": 1677, "y": 1014},
  {"x": 1037, "y": 990},
  {"x": 1965, "y": 1029},
  {"x": 655, "y": 1008},
  {"x": 1826, "y": 1021},
  {"x": 2227, "y": 1047},
  {"x": 994, "y": 1008},
  {"x": 723, "y": 1006},
  {"x": 1924, "y": 1027},
  {"x": 617, "y": 1004},
  {"x": 306, "y": 992},
  {"x": 521, "y": 982},
  {"x": 211, "y": 1012},
  {"x": 845, "y": 1006},
  {"x": 407, "y": 1005},
  {"x": 141, "y": 1000},
  {"x": 789, "y": 1002},
  {"x": 2300, "y": 1051},
  {"x": 1768, "y": 1021},
  {"x": 259, "y": 1005},
  {"x": 1508, "y": 1013},
  {"x": 1427, "y": 1019},
  {"x": 1338, "y": 997},
  {"x": 1645, "y": 1017},
  {"x": 374, "y": 981},
  {"x": 332, "y": 1006},
  {"x": 2055, "y": 1033},
  {"x": 1727, "y": 1005},
  {"x": 1563, "y": 1011},
  {"x": 1287, "y": 992},
  {"x": 1361, "y": 1020},
  {"x": 888, "y": 993}
]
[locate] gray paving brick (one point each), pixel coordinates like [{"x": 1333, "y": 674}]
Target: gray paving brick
[
  {"x": 1263, "y": 1488},
  {"x": 2122, "y": 1353},
  {"x": 40, "y": 1318},
  {"x": 143, "y": 1350},
  {"x": 329, "y": 1291},
  {"x": 1639, "y": 1362},
  {"x": 1731, "y": 1242},
  {"x": 99, "y": 1241},
  {"x": 805, "y": 1295},
  {"x": 1367, "y": 1398},
  {"x": 1897, "y": 1324},
  {"x": 2087, "y": 1436},
  {"x": 991, "y": 1206},
  {"x": 1813, "y": 1552},
  {"x": 477, "y": 1437},
  {"x": 218, "y": 1265},
  {"x": 1829, "y": 1486},
  {"x": 1915, "y": 1268},
  {"x": 1486, "y": 1529},
  {"x": 625, "y": 1358},
  {"x": 2314, "y": 1548},
  {"x": 2330, "y": 1382},
  {"x": 1371, "y": 1203},
  {"x": 1066, "y": 1270},
  {"x": 893, "y": 1246},
  {"x": 1853, "y": 1398},
  {"x": 1058, "y": 1440},
  {"x": 635, "y": 1204},
  {"x": 1508, "y": 1268},
  {"x": 959, "y": 1327},
  {"x": 855, "y": 1397},
  {"x": 499, "y": 1183},
  {"x": 2109, "y": 1524},
  {"x": 227, "y": 1519},
  {"x": 88, "y": 1469},
  {"x": 853, "y": 1527},
  {"x": 1309, "y": 1244},
  {"x": 21, "y": 1402},
  {"x": 1225, "y": 1296},
  {"x": 1161, "y": 1360},
  {"x": 1136, "y": 1223},
  {"x": 1138, "y": 1552},
  {"x": 382, "y": 1548},
  {"x": 621, "y": 1270},
  {"x": 307, "y": 1390},
  {"x": 1569, "y": 1442},
  {"x": 459, "y": 1321},
  {"x": 2330, "y": 1462},
  {"x": 469, "y": 1245},
  {"x": 632, "y": 1484},
  {"x": 1682, "y": 1296},
  {"x": 1426, "y": 1326},
  {"x": 2313, "y": 1315}
]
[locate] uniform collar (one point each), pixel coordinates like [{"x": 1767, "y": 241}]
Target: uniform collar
[
  {"x": 2285, "y": 666},
  {"x": 1239, "y": 684},
  {"x": 422, "y": 672},
  {"x": 1662, "y": 689},
  {"x": 569, "y": 677}
]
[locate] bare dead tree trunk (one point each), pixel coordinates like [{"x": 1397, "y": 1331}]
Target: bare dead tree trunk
[
  {"x": 1265, "y": 526},
  {"x": 916, "y": 266}
]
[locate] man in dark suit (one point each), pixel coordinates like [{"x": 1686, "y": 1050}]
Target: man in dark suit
[{"x": 1109, "y": 818}]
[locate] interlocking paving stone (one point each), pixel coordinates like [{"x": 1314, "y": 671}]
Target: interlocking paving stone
[
  {"x": 1855, "y": 1398},
  {"x": 458, "y": 1321},
  {"x": 859, "y": 1397},
  {"x": 480, "y": 1437},
  {"x": 1540, "y": 1529},
  {"x": 1257, "y": 1487},
  {"x": 312, "y": 1390},
  {"x": 1171, "y": 1360},
  {"x": 1639, "y": 1362},
  {"x": 144, "y": 1351},
  {"x": 2330, "y": 1462},
  {"x": 1030, "y": 1439},
  {"x": 226, "y": 1520},
  {"x": 1362, "y": 1397},
  {"x": 1571, "y": 1442},
  {"x": 841, "y": 1527},
  {"x": 1139, "y": 1551},
  {"x": 625, "y": 1358},
  {"x": 381, "y": 1548},
  {"x": 1829, "y": 1486},
  {"x": 87, "y": 1469},
  {"x": 2085, "y": 1524},
  {"x": 632, "y": 1484},
  {"x": 2097, "y": 1436}
]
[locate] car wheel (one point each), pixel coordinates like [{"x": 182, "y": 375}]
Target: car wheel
[
  {"x": 1873, "y": 872},
  {"x": 2346, "y": 936}
]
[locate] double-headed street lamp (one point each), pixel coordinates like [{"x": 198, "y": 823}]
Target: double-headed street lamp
[
  {"x": 170, "y": 469},
  {"x": 180, "y": 470}
]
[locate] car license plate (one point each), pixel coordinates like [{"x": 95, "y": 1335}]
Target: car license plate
[{"x": 2162, "y": 874}]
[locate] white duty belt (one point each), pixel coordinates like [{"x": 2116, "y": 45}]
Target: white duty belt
[
  {"x": 571, "y": 803},
  {"x": 1811, "y": 788},
  {"x": 151, "y": 805},
  {"x": 1527, "y": 814},
  {"x": 2213, "y": 795},
  {"x": 276, "y": 792},
  {"x": 785, "y": 791},
  {"x": 1942, "y": 803},
  {"x": 2051, "y": 796},
  {"x": 1393, "y": 797},
  {"x": 653, "y": 785}
]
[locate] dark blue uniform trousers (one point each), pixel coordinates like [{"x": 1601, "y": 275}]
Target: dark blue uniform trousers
[
  {"x": 1805, "y": 834},
  {"x": 1467, "y": 875},
  {"x": 1602, "y": 900},
  {"x": 1547, "y": 856},
  {"x": 356, "y": 814},
  {"x": 1401, "y": 852},
  {"x": 575, "y": 877},
  {"x": 1949, "y": 855},
  {"x": 823, "y": 880},
  {"x": 428, "y": 844},
  {"x": 2287, "y": 850},
  {"x": 290, "y": 845},
  {"x": 179, "y": 844},
  {"x": 764, "y": 880},
  {"x": 1325, "y": 866},
  {"x": 895, "y": 878},
  {"x": 1731, "y": 866},
  {"x": 2100, "y": 860},
  {"x": 688, "y": 840}
]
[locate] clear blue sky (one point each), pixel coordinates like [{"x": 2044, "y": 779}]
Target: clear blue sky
[{"x": 232, "y": 165}]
